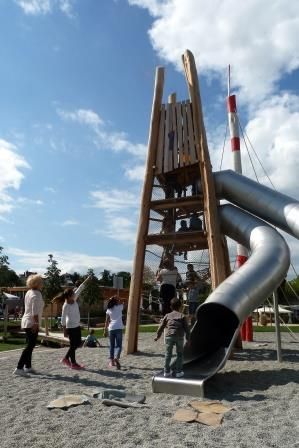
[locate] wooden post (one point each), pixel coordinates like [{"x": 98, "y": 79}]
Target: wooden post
[
  {"x": 216, "y": 252},
  {"x": 131, "y": 336}
]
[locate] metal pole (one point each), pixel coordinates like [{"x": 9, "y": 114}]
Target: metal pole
[{"x": 277, "y": 326}]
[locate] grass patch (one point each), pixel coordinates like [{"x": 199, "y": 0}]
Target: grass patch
[
  {"x": 11, "y": 343},
  {"x": 269, "y": 329}
]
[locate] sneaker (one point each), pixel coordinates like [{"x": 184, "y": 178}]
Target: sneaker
[
  {"x": 65, "y": 362},
  {"x": 19, "y": 372},
  {"x": 117, "y": 364},
  {"x": 179, "y": 374},
  {"x": 111, "y": 363},
  {"x": 76, "y": 366},
  {"x": 30, "y": 370},
  {"x": 167, "y": 374}
]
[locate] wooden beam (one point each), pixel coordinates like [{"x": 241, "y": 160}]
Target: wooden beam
[
  {"x": 163, "y": 204},
  {"x": 216, "y": 250},
  {"x": 162, "y": 239},
  {"x": 131, "y": 336}
]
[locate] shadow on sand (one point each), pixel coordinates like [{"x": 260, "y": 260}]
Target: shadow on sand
[{"x": 231, "y": 385}]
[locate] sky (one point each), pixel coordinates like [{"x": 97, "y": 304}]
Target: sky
[{"x": 76, "y": 85}]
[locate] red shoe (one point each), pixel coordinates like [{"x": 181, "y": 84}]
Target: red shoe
[
  {"x": 76, "y": 366},
  {"x": 65, "y": 362}
]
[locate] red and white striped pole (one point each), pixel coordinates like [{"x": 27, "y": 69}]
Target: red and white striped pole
[{"x": 242, "y": 252}]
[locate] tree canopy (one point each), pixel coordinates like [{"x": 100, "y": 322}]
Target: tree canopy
[
  {"x": 52, "y": 285},
  {"x": 8, "y": 277}
]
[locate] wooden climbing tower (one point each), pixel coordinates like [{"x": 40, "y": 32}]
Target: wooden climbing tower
[{"x": 178, "y": 159}]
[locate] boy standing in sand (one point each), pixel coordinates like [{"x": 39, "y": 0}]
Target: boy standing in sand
[{"x": 176, "y": 327}]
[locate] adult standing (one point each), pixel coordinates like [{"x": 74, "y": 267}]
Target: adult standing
[
  {"x": 31, "y": 322},
  {"x": 168, "y": 276}
]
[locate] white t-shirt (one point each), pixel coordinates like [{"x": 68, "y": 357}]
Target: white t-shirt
[
  {"x": 70, "y": 317},
  {"x": 34, "y": 306},
  {"x": 116, "y": 317},
  {"x": 168, "y": 276}
]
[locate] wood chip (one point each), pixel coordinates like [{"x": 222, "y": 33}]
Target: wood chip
[
  {"x": 209, "y": 406},
  {"x": 209, "y": 418},
  {"x": 185, "y": 415}
]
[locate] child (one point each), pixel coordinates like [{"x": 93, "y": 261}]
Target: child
[
  {"x": 176, "y": 327},
  {"x": 70, "y": 320},
  {"x": 91, "y": 340},
  {"x": 114, "y": 323}
]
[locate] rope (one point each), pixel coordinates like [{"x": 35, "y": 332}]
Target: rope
[
  {"x": 292, "y": 334},
  {"x": 224, "y": 142},
  {"x": 244, "y": 134},
  {"x": 247, "y": 149}
]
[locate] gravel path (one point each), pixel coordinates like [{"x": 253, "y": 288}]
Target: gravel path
[{"x": 263, "y": 393}]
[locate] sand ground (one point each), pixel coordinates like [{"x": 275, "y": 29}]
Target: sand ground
[{"x": 263, "y": 392}]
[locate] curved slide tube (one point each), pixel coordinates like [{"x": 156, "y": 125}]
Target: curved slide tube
[
  {"x": 220, "y": 317},
  {"x": 278, "y": 209}
]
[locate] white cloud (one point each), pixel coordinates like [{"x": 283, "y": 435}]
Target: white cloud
[
  {"x": 120, "y": 214},
  {"x": 260, "y": 42},
  {"x": 67, "y": 261},
  {"x": 114, "y": 200},
  {"x": 136, "y": 173},
  {"x": 274, "y": 133},
  {"x": 43, "y": 7},
  {"x": 104, "y": 138},
  {"x": 12, "y": 165},
  {"x": 50, "y": 190},
  {"x": 28, "y": 201},
  {"x": 69, "y": 222},
  {"x": 35, "y": 7},
  {"x": 82, "y": 116},
  {"x": 66, "y": 6},
  {"x": 119, "y": 229}
]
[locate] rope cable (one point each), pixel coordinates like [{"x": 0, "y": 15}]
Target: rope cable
[{"x": 224, "y": 142}]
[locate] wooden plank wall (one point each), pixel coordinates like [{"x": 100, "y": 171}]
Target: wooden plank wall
[{"x": 176, "y": 142}]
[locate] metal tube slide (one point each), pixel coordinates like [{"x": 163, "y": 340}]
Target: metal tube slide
[
  {"x": 235, "y": 298},
  {"x": 276, "y": 208},
  {"x": 220, "y": 317}
]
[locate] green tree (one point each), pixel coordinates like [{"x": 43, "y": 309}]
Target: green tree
[
  {"x": 76, "y": 277},
  {"x": 126, "y": 278},
  {"x": 106, "y": 279},
  {"x": 91, "y": 293},
  {"x": 8, "y": 277},
  {"x": 52, "y": 285}
]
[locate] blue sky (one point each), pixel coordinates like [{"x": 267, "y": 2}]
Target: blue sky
[{"x": 76, "y": 92}]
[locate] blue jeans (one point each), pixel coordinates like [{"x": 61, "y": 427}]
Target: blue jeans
[
  {"x": 116, "y": 339},
  {"x": 177, "y": 364}
]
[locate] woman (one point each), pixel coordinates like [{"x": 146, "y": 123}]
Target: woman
[
  {"x": 31, "y": 322},
  {"x": 168, "y": 276},
  {"x": 70, "y": 321},
  {"x": 114, "y": 323}
]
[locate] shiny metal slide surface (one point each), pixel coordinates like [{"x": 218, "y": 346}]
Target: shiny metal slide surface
[{"x": 219, "y": 318}]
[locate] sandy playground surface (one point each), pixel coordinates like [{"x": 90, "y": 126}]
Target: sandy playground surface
[{"x": 263, "y": 393}]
